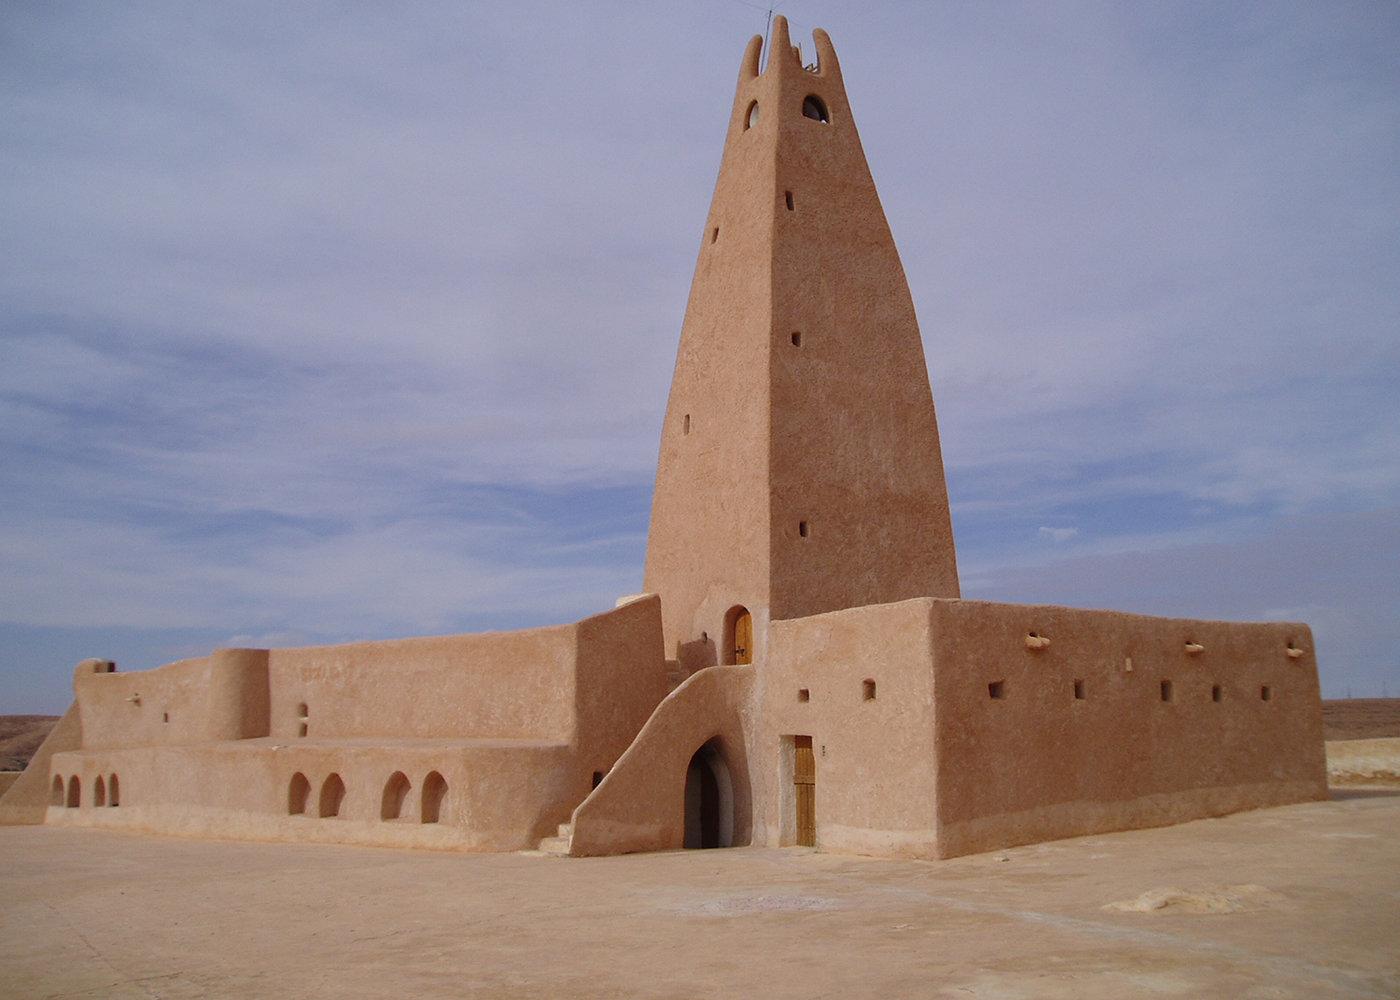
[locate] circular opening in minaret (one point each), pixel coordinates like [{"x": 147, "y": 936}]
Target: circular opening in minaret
[
  {"x": 751, "y": 116},
  {"x": 814, "y": 107}
]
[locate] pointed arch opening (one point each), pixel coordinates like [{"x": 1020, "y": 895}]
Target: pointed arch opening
[
  {"x": 396, "y": 791},
  {"x": 814, "y": 107},
  {"x": 332, "y": 797},
  {"x": 298, "y": 795},
  {"x": 99, "y": 792},
  {"x": 751, "y": 116},
  {"x": 709, "y": 798},
  {"x": 738, "y": 636},
  {"x": 113, "y": 792},
  {"x": 56, "y": 792},
  {"x": 75, "y": 793},
  {"x": 434, "y": 795}
]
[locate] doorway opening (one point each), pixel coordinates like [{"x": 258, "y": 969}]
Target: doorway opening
[
  {"x": 709, "y": 799},
  {"x": 738, "y": 635}
]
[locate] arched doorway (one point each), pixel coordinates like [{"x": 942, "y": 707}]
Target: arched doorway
[
  {"x": 709, "y": 799},
  {"x": 738, "y": 635}
]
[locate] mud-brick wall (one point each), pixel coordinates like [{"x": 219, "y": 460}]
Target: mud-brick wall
[
  {"x": 494, "y": 685},
  {"x": 621, "y": 678},
  {"x": 1055, "y": 722},
  {"x": 223, "y": 696},
  {"x": 860, "y": 683}
]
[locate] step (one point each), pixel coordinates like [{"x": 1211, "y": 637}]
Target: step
[{"x": 558, "y": 846}]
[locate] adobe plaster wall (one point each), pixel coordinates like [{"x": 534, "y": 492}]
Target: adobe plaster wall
[
  {"x": 1039, "y": 763},
  {"x": 217, "y": 697},
  {"x": 516, "y": 723},
  {"x": 501, "y": 795},
  {"x": 875, "y": 761},
  {"x": 640, "y": 806},
  {"x": 493, "y": 685}
]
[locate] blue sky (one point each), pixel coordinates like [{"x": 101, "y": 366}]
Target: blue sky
[{"x": 322, "y": 322}]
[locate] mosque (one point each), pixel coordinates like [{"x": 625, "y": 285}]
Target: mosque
[{"x": 801, "y": 669}]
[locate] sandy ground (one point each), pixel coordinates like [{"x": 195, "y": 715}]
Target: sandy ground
[{"x": 1301, "y": 901}]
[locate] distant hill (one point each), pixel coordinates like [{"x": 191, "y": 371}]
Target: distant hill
[
  {"x": 1361, "y": 718},
  {"x": 20, "y": 736},
  {"x": 1342, "y": 719}
]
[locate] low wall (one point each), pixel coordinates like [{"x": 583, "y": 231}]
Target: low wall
[
  {"x": 490, "y": 796},
  {"x": 640, "y": 806},
  {"x": 1056, "y": 722}
]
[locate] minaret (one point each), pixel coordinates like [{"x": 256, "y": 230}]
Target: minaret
[{"x": 800, "y": 469}]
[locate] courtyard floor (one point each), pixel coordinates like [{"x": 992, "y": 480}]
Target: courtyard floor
[{"x": 1301, "y": 901}]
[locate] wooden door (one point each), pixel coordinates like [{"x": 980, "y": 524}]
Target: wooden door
[
  {"x": 804, "y": 780},
  {"x": 743, "y": 638}
]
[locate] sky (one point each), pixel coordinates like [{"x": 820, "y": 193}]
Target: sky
[{"x": 323, "y": 322}]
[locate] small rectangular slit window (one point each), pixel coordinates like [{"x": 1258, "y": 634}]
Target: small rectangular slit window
[
  {"x": 1078, "y": 690},
  {"x": 803, "y": 694},
  {"x": 685, "y": 424},
  {"x": 796, "y": 339},
  {"x": 1216, "y": 693},
  {"x": 996, "y": 690},
  {"x": 868, "y": 689},
  {"x": 1166, "y": 690},
  {"x": 1265, "y": 693},
  {"x": 802, "y": 528},
  {"x": 788, "y": 196},
  {"x": 714, "y": 234}
]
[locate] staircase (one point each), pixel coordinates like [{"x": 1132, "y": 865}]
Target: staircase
[{"x": 558, "y": 846}]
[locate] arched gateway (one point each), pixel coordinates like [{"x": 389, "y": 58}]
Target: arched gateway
[{"x": 709, "y": 799}]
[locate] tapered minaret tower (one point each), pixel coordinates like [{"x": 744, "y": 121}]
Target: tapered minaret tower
[{"x": 800, "y": 469}]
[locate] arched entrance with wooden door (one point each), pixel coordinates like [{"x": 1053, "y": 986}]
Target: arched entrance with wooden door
[
  {"x": 709, "y": 799},
  {"x": 738, "y": 636}
]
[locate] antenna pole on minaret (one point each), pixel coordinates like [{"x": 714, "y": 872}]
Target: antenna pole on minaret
[{"x": 768, "y": 26}]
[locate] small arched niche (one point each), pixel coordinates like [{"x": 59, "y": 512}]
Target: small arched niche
[
  {"x": 434, "y": 795},
  {"x": 113, "y": 792},
  {"x": 814, "y": 107},
  {"x": 709, "y": 799},
  {"x": 395, "y": 794},
  {"x": 738, "y": 636},
  {"x": 298, "y": 795},
  {"x": 56, "y": 791},
  {"x": 99, "y": 792},
  {"x": 332, "y": 796},
  {"x": 75, "y": 793}
]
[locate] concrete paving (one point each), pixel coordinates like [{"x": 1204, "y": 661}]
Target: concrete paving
[{"x": 1300, "y": 901}]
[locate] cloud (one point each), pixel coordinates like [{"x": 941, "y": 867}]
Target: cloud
[{"x": 323, "y": 321}]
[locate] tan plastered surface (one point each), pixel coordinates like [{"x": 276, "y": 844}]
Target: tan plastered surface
[{"x": 1299, "y": 901}]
